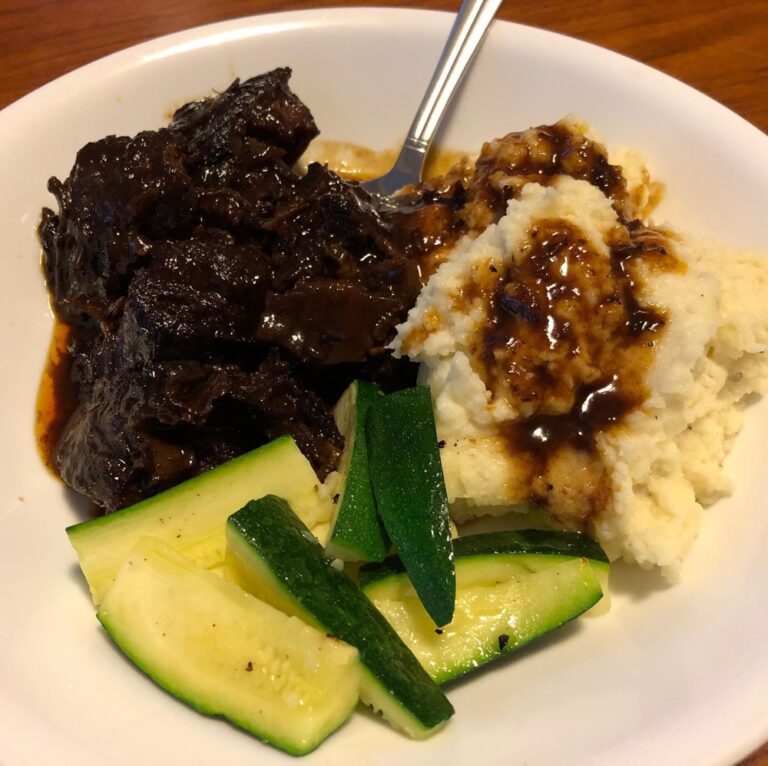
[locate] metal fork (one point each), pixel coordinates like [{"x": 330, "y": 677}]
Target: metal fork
[{"x": 468, "y": 30}]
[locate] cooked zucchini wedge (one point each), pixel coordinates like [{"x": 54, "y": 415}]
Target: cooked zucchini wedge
[
  {"x": 356, "y": 531},
  {"x": 191, "y": 516},
  {"x": 511, "y": 588},
  {"x": 228, "y": 654},
  {"x": 408, "y": 484},
  {"x": 277, "y": 559}
]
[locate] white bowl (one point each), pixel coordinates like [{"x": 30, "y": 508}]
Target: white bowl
[{"x": 671, "y": 676}]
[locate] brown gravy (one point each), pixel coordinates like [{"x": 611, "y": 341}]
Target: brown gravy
[
  {"x": 360, "y": 163},
  {"x": 56, "y": 395},
  {"x": 569, "y": 343}
]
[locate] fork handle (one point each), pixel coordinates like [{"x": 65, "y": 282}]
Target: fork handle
[{"x": 469, "y": 29}]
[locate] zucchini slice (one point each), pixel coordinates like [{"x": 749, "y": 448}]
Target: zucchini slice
[
  {"x": 511, "y": 588},
  {"x": 191, "y": 516},
  {"x": 228, "y": 654},
  {"x": 408, "y": 484},
  {"x": 356, "y": 532},
  {"x": 275, "y": 557}
]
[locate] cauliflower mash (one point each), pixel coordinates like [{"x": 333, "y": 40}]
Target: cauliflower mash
[{"x": 589, "y": 363}]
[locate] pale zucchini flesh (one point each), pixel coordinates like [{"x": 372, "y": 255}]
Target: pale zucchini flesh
[
  {"x": 191, "y": 517},
  {"x": 275, "y": 557},
  {"x": 511, "y": 588},
  {"x": 491, "y": 620},
  {"x": 226, "y": 653}
]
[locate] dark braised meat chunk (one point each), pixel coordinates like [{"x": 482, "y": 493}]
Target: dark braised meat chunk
[
  {"x": 122, "y": 194},
  {"x": 311, "y": 320},
  {"x": 246, "y": 123},
  {"x": 144, "y": 430},
  {"x": 199, "y": 298},
  {"x": 220, "y": 298},
  {"x": 336, "y": 295}
]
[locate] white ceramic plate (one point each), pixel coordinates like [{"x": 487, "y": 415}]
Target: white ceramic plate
[{"x": 671, "y": 676}]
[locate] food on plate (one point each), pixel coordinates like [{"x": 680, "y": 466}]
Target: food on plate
[
  {"x": 579, "y": 358},
  {"x": 276, "y": 558},
  {"x": 226, "y": 653},
  {"x": 279, "y": 378},
  {"x": 511, "y": 588}
]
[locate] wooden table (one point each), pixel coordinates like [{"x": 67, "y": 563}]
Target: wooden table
[{"x": 718, "y": 46}]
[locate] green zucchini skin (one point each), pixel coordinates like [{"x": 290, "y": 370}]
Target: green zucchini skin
[
  {"x": 408, "y": 484},
  {"x": 278, "y": 559},
  {"x": 356, "y": 530},
  {"x": 514, "y": 543}
]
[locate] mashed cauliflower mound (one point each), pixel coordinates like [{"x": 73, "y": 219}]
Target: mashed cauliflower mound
[{"x": 663, "y": 460}]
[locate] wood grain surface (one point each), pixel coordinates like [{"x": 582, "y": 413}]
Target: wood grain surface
[{"x": 717, "y": 46}]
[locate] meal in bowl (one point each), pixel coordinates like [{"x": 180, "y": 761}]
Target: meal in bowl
[{"x": 239, "y": 329}]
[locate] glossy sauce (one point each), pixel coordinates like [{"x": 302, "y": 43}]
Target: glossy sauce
[
  {"x": 56, "y": 395},
  {"x": 569, "y": 343},
  {"x": 360, "y": 163},
  {"x": 538, "y": 154}
]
